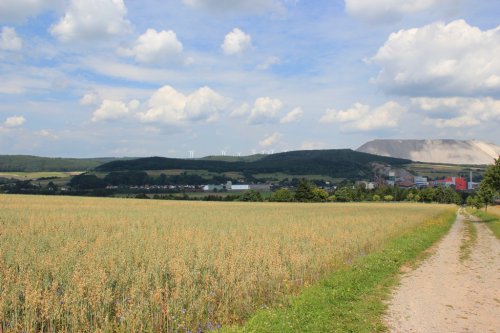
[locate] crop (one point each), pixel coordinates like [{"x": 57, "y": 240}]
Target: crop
[{"x": 90, "y": 264}]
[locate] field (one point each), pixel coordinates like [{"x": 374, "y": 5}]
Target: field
[{"x": 91, "y": 264}]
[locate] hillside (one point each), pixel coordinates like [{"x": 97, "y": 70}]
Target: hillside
[
  {"x": 344, "y": 163},
  {"x": 435, "y": 151},
  {"x": 28, "y": 163}
]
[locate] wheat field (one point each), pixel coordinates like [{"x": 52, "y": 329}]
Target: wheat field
[{"x": 121, "y": 265}]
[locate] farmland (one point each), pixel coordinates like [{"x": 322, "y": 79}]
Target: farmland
[{"x": 87, "y": 264}]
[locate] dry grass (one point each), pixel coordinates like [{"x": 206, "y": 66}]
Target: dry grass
[{"x": 90, "y": 264}]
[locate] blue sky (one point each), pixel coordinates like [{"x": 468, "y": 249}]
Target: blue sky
[{"x": 86, "y": 78}]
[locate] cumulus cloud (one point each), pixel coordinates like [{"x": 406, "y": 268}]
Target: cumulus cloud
[
  {"x": 236, "y": 42},
  {"x": 14, "y": 121},
  {"x": 265, "y": 109},
  {"x": 91, "y": 19},
  {"x": 19, "y": 10},
  {"x": 376, "y": 11},
  {"x": 155, "y": 47},
  {"x": 292, "y": 116},
  {"x": 364, "y": 118},
  {"x": 169, "y": 106},
  {"x": 248, "y": 6},
  {"x": 458, "y": 111},
  {"x": 270, "y": 140},
  {"x": 9, "y": 40},
  {"x": 110, "y": 110},
  {"x": 441, "y": 60},
  {"x": 241, "y": 111}
]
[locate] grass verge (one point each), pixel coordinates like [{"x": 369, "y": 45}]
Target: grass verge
[
  {"x": 491, "y": 220},
  {"x": 352, "y": 298},
  {"x": 470, "y": 237}
]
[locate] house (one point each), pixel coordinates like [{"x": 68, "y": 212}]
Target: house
[{"x": 458, "y": 183}]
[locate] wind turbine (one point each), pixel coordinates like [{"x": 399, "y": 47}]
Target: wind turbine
[
  {"x": 222, "y": 153},
  {"x": 191, "y": 153}
]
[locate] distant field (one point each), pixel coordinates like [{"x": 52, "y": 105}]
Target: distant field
[
  {"x": 444, "y": 170},
  {"x": 36, "y": 175},
  {"x": 89, "y": 264}
]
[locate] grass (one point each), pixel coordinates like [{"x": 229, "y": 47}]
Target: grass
[
  {"x": 351, "y": 299},
  {"x": 470, "y": 238},
  {"x": 95, "y": 264},
  {"x": 36, "y": 175},
  {"x": 491, "y": 218}
]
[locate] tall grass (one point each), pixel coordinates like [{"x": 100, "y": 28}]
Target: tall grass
[{"x": 91, "y": 264}]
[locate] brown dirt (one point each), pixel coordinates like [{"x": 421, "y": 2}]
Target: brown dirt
[{"x": 447, "y": 295}]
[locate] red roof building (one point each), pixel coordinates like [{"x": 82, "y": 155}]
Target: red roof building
[{"x": 459, "y": 183}]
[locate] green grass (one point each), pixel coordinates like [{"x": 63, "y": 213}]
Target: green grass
[
  {"x": 468, "y": 241},
  {"x": 352, "y": 298},
  {"x": 36, "y": 175},
  {"x": 491, "y": 220}
]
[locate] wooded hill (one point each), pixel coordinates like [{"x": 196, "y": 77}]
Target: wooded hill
[
  {"x": 343, "y": 163},
  {"x": 28, "y": 163}
]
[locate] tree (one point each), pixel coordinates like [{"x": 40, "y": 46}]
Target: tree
[
  {"x": 490, "y": 185},
  {"x": 388, "y": 198},
  {"x": 304, "y": 192},
  {"x": 343, "y": 194},
  {"x": 492, "y": 176},
  {"x": 485, "y": 194},
  {"x": 319, "y": 195},
  {"x": 282, "y": 195}
]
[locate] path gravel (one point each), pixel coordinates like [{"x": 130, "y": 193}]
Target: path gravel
[{"x": 447, "y": 295}]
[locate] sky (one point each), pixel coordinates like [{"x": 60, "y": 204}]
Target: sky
[{"x": 181, "y": 78}]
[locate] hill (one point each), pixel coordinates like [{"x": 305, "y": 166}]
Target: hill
[
  {"x": 343, "y": 163},
  {"x": 28, "y": 163},
  {"x": 435, "y": 151}
]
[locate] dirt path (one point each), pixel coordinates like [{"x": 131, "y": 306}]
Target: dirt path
[{"x": 447, "y": 295}]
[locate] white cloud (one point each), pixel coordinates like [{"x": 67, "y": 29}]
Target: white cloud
[
  {"x": 110, "y": 110},
  {"x": 440, "y": 59},
  {"x": 376, "y": 11},
  {"x": 9, "y": 40},
  {"x": 458, "y": 111},
  {"x": 236, "y": 42},
  {"x": 363, "y": 118},
  {"x": 241, "y": 111},
  {"x": 248, "y": 6},
  {"x": 268, "y": 63},
  {"x": 270, "y": 140},
  {"x": 19, "y": 10},
  {"x": 92, "y": 19},
  {"x": 292, "y": 116},
  {"x": 169, "y": 106},
  {"x": 14, "y": 121},
  {"x": 155, "y": 47},
  {"x": 89, "y": 99},
  {"x": 265, "y": 109}
]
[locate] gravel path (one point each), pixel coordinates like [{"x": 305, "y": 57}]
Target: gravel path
[{"x": 447, "y": 295}]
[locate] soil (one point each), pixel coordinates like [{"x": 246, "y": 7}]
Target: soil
[{"x": 445, "y": 294}]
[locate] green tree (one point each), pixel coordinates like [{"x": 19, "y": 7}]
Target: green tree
[
  {"x": 304, "y": 192},
  {"x": 319, "y": 195},
  {"x": 492, "y": 176},
  {"x": 252, "y": 195},
  {"x": 490, "y": 185},
  {"x": 343, "y": 194},
  {"x": 485, "y": 194},
  {"x": 388, "y": 198},
  {"x": 282, "y": 195}
]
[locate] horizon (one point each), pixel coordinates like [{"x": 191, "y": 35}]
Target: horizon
[{"x": 156, "y": 78}]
